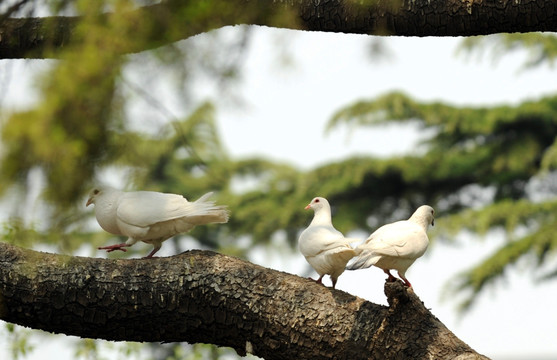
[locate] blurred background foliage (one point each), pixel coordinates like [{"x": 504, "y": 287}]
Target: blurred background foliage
[{"x": 482, "y": 168}]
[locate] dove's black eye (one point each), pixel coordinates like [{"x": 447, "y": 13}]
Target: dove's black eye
[
  {"x": 316, "y": 200},
  {"x": 96, "y": 191}
]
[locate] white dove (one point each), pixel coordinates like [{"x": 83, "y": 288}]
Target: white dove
[
  {"x": 324, "y": 247},
  {"x": 397, "y": 245},
  {"x": 151, "y": 217}
]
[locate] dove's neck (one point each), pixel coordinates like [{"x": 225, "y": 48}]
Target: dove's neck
[
  {"x": 421, "y": 220},
  {"x": 322, "y": 217}
]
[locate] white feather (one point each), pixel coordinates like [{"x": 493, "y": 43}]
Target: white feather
[
  {"x": 151, "y": 217},
  {"x": 397, "y": 245},
  {"x": 323, "y": 246}
]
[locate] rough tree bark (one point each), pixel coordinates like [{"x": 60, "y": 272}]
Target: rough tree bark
[
  {"x": 30, "y": 37},
  {"x": 202, "y": 296}
]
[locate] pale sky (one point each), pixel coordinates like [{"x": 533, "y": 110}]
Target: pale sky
[{"x": 285, "y": 116}]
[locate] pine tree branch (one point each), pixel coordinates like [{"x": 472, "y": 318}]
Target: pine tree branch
[
  {"x": 202, "y": 296},
  {"x": 166, "y": 22}
]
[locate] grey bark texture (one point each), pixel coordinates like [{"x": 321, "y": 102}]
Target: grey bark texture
[
  {"x": 203, "y": 296},
  {"x": 42, "y": 37}
]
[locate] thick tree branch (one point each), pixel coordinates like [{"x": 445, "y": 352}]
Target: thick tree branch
[
  {"x": 202, "y": 296},
  {"x": 168, "y": 22}
]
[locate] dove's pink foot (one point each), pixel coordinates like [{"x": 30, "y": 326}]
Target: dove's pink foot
[
  {"x": 111, "y": 248},
  {"x": 406, "y": 282},
  {"x": 318, "y": 280},
  {"x": 391, "y": 278},
  {"x": 150, "y": 256}
]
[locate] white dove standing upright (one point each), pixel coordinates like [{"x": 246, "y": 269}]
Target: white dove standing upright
[
  {"x": 324, "y": 247},
  {"x": 397, "y": 245},
  {"x": 151, "y": 217}
]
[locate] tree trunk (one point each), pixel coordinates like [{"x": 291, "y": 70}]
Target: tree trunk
[
  {"x": 164, "y": 23},
  {"x": 202, "y": 296}
]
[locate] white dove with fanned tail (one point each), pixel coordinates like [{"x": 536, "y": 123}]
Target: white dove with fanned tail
[
  {"x": 323, "y": 246},
  {"x": 397, "y": 245},
  {"x": 151, "y": 217}
]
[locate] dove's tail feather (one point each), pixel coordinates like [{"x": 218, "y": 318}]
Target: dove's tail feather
[
  {"x": 363, "y": 261},
  {"x": 203, "y": 198},
  {"x": 342, "y": 255},
  {"x": 353, "y": 241},
  {"x": 207, "y": 212},
  {"x": 348, "y": 255}
]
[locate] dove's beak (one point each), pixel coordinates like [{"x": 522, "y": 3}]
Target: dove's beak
[
  {"x": 307, "y": 207},
  {"x": 432, "y": 222},
  {"x": 89, "y": 202}
]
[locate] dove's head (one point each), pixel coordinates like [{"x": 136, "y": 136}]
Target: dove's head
[
  {"x": 100, "y": 192},
  {"x": 93, "y": 194},
  {"x": 317, "y": 203},
  {"x": 425, "y": 214}
]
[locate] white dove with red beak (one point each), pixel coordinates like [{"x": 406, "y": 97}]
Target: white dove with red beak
[
  {"x": 397, "y": 245},
  {"x": 151, "y": 217},
  {"x": 323, "y": 246}
]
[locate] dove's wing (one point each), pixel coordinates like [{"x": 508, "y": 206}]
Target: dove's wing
[
  {"x": 318, "y": 239},
  {"x": 401, "y": 239},
  {"x": 326, "y": 249},
  {"x": 145, "y": 208}
]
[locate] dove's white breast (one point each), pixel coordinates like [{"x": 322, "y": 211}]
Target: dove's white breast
[
  {"x": 105, "y": 212},
  {"x": 316, "y": 239}
]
